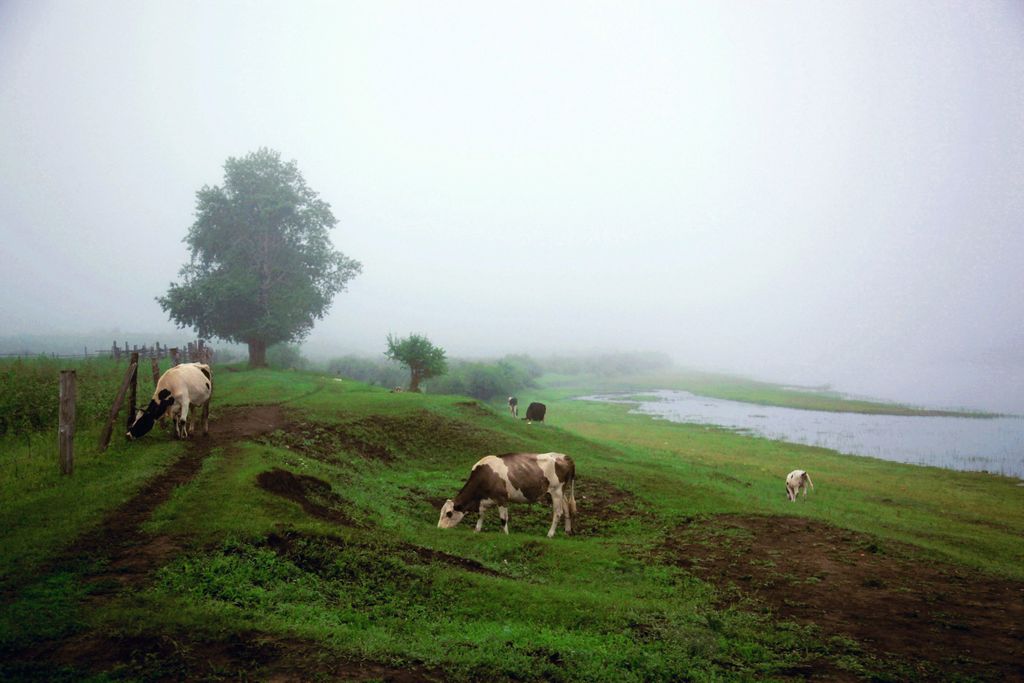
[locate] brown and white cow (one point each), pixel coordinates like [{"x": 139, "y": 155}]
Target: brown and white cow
[
  {"x": 796, "y": 481},
  {"x": 515, "y": 478},
  {"x": 178, "y": 390}
]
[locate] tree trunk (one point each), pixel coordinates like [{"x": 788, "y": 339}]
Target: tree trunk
[
  {"x": 414, "y": 381},
  {"x": 257, "y": 354}
]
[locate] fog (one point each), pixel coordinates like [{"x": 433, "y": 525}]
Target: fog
[{"x": 803, "y": 192}]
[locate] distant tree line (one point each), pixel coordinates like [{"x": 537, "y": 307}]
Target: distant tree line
[{"x": 488, "y": 379}]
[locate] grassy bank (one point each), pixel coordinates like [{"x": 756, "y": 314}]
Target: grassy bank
[
  {"x": 734, "y": 388},
  {"x": 311, "y": 549}
]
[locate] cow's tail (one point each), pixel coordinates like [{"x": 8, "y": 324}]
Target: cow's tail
[
  {"x": 572, "y": 498},
  {"x": 809, "y": 480}
]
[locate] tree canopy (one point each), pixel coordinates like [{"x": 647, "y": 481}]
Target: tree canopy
[
  {"x": 423, "y": 359},
  {"x": 262, "y": 267}
]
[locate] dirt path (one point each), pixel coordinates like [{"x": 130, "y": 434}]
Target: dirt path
[
  {"x": 944, "y": 620},
  {"x": 128, "y": 556},
  {"x": 130, "y": 553}
]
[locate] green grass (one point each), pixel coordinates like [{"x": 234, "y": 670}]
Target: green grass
[{"x": 387, "y": 586}]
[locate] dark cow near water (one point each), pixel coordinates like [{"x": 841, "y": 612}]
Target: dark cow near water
[
  {"x": 179, "y": 390},
  {"x": 515, "y": 478},
  {"x": 536, "y": 411}
]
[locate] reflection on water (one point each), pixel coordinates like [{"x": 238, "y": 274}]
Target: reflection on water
[{"x": 959, "y": 443}]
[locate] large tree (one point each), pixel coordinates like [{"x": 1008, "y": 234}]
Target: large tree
[
  {"x": 262, "y": 268},
  {"x": 415, "y": 352}
]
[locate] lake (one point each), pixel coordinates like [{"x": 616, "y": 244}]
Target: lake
[{"x": 960, "y": 443}]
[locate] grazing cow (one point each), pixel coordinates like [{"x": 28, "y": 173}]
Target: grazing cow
[
  {"x": 536, "y": 411},
  {"x": 180, "y": 389},
  {"x": 515, "y": 478},
  {"x": 796, "y": 481},
  {"x": 513, "y": 406}
]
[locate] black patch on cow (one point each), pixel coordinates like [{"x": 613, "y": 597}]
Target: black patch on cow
[
  {"x": 144, "y": 423},
  {"x": 536, "y": 411},
  {"x": 565, "y": 469},
  {"x": 206, "y": 372},
  {"x": 483, "y": 483},
  {"x": 526, "y": 475},
  {"x": 207, "y": 386}
]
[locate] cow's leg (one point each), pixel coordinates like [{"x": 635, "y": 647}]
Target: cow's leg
[
  {"x": 480, "y": 521},
  {"x": 556, "y": 507},
  {"x": 503, "y": 513},
  {"x": 183, "y": 419}
]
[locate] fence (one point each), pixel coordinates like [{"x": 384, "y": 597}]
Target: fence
[
  {"x": 196, "y": 351},
  {"x": 193, "y": 352}
]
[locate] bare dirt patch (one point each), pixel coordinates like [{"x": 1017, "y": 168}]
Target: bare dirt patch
[
  {"x": 314, "y": 495},
  {"x": 944, "y": 620}
]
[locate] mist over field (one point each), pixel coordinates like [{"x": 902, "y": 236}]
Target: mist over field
[{"x": 803, "y": 192}]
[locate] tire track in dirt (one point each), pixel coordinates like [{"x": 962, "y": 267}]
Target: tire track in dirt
[
  {"x": 131, "y": 553},
  {"x": 127, "y": 553}
]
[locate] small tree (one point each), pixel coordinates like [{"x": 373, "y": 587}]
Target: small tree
[{"x": 423, "y": 359}]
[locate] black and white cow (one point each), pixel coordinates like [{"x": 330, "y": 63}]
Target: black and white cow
[
  {"x": 513, "y": 406},
  {"x": 178, "y": 391},
  {"x": 515, "y": 478},
  {"x": 536, "y": 411},
  {"x": 796, "y": 481}
]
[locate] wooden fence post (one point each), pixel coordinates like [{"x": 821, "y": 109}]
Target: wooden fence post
[
  {"x": 66, "y": 430},
  {"x": 174, "y": 356},
  {"x": 156, "y": 371},
  {"x": 133, "y": 391},
  {"x": 116, "y": 407}
]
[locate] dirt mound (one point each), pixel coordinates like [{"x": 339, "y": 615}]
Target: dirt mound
[
  {"x": 325, "y": 442},
  {"x": 601, "y": 504},
  {"x": 474, "y": 408},
  {"x": 423, "y": 433},
  {"x": 946, "y": 620},
  {"x": 314, "y": 495},
  {"x": 296, "y": 546}
]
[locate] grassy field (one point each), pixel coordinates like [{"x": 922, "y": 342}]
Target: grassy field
[{"x": 299, "y": 542}]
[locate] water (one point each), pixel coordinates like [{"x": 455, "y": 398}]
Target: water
[{"x": 959, "y": 443}]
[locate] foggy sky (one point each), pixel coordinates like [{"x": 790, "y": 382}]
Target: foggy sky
[{"x": 801, "y": 191}]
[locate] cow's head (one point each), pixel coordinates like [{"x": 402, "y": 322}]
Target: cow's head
[
  {"x": 145, "y": 419},
  {"x": 449, "y": 515}
]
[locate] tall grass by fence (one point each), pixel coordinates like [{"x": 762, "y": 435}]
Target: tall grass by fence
[{"x": 30, "y": 386}]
